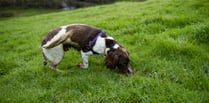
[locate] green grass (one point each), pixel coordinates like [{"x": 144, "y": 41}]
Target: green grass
[{"x": 168, "y": 41}]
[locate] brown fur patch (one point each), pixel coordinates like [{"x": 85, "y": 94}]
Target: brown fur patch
[
  {"x": 112, "y": 59},
  {"x": 82, "y": 35},
  {"x": 109, "y": 43},
  {"x": 125, "y": 51}
]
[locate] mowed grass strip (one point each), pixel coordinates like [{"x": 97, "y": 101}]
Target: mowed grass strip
[{"x": 167, "y": 41}]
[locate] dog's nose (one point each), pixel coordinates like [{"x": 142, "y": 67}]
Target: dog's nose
[{"x": 130, "y": 71}]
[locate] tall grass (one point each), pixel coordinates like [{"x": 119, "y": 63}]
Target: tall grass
[{"x": 167, "y": 41}]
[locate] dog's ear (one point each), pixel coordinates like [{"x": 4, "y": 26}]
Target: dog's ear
[
  {"x": 125, "y": 51},
  {"x": 111, "y": 60},
  {"x": 115, "y": 60}
]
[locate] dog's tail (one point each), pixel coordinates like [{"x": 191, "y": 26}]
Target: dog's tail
[{"x": 57, "y": 39}]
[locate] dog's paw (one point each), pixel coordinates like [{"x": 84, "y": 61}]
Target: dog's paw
[
  {"x": 81, "y": 65},
  {"x": 52, "y": 66},
  {"x": 45, "y": 62}
]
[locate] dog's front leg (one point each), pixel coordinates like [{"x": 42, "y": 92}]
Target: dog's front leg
[{"x": 85, "y": 56}]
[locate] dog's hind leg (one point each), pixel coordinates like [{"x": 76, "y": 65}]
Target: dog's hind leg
[
  {"x": 53, "y": 66},
  {"x": 54, "y": 55},
  {"x": 45, "y": 59}
]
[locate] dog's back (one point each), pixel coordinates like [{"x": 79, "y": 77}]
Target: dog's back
[{"x": 75, "y": 33}]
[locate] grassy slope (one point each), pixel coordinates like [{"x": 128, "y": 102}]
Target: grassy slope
[{"x": 167, "y": 39}]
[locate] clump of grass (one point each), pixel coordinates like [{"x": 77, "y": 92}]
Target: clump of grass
[
  {"x": 172, "y": 49},
  {"x": 6, "y": 66},
  {"x": 201, "y": 34}
]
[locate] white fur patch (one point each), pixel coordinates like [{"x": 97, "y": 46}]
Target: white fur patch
[
  {"x": 111, "y": 38},
  {"x": 85, "y": 56},
  {"x": 77, "y": 24},
  {"x": 55, "y": 54},
  {"x": 116, "y": 46},
  {"x": 99, "y": 45},
  {"x": 106, "y": 50}
]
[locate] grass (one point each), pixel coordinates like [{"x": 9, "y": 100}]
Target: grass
[{"x": 168, "y": 41}]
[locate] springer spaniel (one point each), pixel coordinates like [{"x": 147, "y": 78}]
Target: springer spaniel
[{"x": 88, "y": 40}]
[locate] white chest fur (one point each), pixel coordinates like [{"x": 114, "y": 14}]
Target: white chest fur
[{"x": 99, "y": 45}]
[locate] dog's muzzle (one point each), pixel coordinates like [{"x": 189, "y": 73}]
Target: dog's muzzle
[{"x": 129, "y": 71}]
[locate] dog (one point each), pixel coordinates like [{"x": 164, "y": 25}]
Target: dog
[{"x": 88, "y": 40}]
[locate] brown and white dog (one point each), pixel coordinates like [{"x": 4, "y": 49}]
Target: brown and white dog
[{"x": 88, "y": 40}]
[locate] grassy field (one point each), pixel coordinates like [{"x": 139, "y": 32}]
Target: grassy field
[{"x": 168, "y": 41}]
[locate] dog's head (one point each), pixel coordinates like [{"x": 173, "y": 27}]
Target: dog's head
[{"x": 119, "y": 58}]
